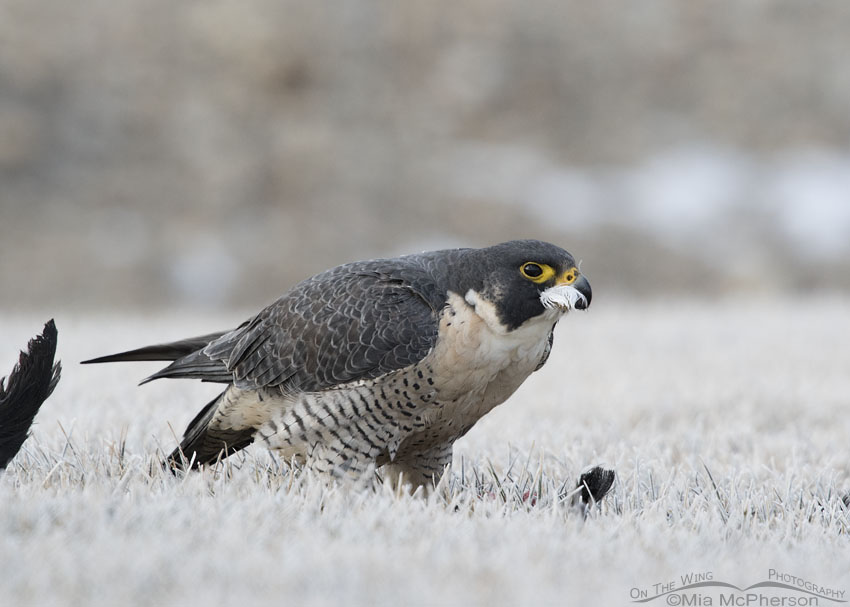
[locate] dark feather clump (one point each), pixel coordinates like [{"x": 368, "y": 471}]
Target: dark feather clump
[
  {"x": 29, "y": 384},
  {"x": 595, "y": 484}
]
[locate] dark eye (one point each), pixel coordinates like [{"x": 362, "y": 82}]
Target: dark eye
[{"x": 532, "y": 270}]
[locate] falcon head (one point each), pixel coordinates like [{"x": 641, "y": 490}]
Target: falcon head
[{"x": 525, "y": 279}]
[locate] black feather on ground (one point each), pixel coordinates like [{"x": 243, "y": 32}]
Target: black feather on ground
[
  {"x": 27, "y": 387},
  {"x": 595, "y": 484}
]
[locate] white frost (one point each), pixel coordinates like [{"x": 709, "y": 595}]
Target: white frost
[{"x": 658, "y": 390}]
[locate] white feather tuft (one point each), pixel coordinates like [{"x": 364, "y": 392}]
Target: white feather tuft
[{"x": 561, "y": 297}]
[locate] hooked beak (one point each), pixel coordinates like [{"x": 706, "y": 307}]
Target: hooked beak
[{"x": 582, "y": 286}]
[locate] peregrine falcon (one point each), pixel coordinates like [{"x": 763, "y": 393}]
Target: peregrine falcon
[{"x": 380, "y": 363}]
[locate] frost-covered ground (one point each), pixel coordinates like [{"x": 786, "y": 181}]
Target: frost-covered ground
[{"x": 727, "y": 423}]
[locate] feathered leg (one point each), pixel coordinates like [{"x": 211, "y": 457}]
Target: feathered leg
[{"x": 219, "y": 430}]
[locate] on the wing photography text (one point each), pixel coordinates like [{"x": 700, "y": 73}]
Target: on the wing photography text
[{"x": 703, "y": 589}]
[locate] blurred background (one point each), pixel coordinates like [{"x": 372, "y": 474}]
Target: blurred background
[{"x": 210, "y": 154}]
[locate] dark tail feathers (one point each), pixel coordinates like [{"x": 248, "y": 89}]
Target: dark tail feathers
[
  {"x": 169, "y": 351},
  {"x": 30, "y": 383},
  {"x": 189, "y": 360}
]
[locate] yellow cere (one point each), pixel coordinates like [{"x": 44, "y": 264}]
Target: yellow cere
[
  {"x": 568, "y": 277},
  {"x": 537, "y": 272}
]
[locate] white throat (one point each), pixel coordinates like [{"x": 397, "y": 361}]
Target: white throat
[{"x": 532, "y": 329}]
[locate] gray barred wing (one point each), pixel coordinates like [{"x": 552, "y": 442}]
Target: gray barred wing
[{"x": 354, "y": 322}]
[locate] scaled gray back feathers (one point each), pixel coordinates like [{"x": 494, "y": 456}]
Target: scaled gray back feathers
[{"x": 357, "y": 321}]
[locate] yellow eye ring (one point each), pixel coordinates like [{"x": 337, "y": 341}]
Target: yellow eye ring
[{"x": 537, "y": 272}]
